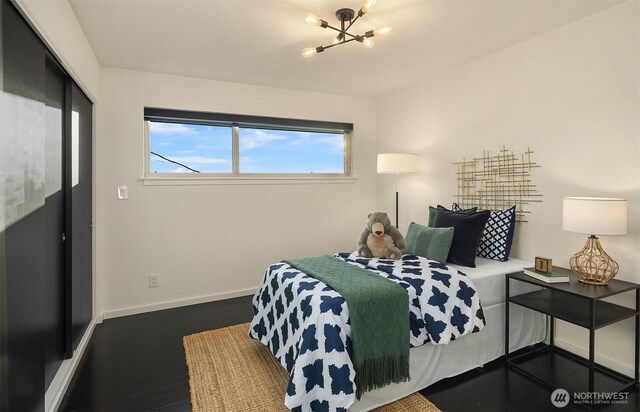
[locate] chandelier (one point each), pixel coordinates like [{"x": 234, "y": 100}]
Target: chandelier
[{"x": 346, "y": 17}]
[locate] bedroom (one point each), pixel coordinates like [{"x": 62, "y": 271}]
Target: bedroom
[{"x": 451, "y": 80}]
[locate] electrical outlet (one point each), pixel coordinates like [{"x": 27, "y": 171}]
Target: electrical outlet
[{"x": 154, "y": 281}]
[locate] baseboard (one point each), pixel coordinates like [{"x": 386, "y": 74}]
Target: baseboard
[
  {"x": 625, "y": 369},
  {"x": 176, "y": 303},
  {"x": 60, "y": 383}
]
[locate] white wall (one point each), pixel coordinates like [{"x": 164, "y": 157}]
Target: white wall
[
  {"x": 215, "y": 241},
  {"x": 572, "y": 95}
]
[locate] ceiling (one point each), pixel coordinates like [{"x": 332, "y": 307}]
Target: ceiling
[{"x": 260, "y": 41}]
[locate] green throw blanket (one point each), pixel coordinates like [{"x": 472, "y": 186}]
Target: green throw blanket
[{"x": 379, "y": 312}]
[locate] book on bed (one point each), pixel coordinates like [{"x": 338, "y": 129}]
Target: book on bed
[{"x": 558, "y": 275}]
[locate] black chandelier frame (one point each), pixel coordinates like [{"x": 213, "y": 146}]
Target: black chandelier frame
[{"x": 347, "y": 18}]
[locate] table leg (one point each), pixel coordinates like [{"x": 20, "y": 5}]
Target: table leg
[
  {"x": 506, "y": 323},
  {"x": 592, "y": 341},
  {"x": 637, "y": 355}
]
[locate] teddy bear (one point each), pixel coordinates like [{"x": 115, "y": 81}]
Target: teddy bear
[{"x": 380, "y": 239}]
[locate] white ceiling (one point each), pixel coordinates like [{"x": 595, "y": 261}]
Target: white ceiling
[{"x": 260, "y": 41}]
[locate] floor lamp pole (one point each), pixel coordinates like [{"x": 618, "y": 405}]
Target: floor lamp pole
[{"x": 397, "y": 227}]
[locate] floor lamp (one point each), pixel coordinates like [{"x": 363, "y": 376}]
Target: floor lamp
[{"x": 397, "y": 164}]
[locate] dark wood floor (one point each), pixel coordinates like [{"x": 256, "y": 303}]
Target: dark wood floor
[{"x": 136, "y": 363}]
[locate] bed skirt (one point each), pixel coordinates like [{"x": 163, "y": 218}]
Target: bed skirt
[{"x": 430, "y": 363}]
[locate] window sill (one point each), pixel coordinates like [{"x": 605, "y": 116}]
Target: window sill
[{"x": 247, "y": 180}]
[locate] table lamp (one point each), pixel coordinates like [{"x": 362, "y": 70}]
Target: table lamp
[
  {"x": 398, "y": 164},
  {"x": 594, "y": 216}
]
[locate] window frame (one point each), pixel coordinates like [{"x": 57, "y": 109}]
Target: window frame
[{"x": 236, "y": 122}]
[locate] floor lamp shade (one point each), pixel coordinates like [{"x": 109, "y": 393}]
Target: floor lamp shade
[
  {"x": 594, "y": 216},
  {"x": 398, "y": 164}
]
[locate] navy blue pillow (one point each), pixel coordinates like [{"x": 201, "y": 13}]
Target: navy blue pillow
[
  {"x": 454, "y": 208},
  {"x": 467, "y": 231}
]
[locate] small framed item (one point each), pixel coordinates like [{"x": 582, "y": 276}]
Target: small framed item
[{"x": 543, "y": 264}]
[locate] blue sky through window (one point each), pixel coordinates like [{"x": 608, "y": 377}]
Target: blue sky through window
[
  {"x": 203, "y": 148},
  {"x": 208, "y": 149},
  {"x": 283, "y": 151}
]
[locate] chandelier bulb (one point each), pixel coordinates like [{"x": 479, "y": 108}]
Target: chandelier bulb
[
  {"x": 312, "y": 20},
  {"x": 309, "y": 52},
  {"x": 382, "y": 31},
  {"x": 368, "y": 43},
  {"x": 367, "y": 6}
]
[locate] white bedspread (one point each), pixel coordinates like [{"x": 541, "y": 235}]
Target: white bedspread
[{"x": 488, "y": 276}]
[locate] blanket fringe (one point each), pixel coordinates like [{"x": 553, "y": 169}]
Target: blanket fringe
[{"x": 379, "y": 372}]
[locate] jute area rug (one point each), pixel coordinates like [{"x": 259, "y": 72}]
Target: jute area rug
[{"x": 228, "y": 371}]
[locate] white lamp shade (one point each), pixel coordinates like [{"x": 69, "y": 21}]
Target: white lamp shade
[
  {"x": 594, "y": 215},
  {"x": 398, "y": 163}
]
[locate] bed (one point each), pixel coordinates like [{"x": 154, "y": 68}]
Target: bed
[{"x": 305, "y": 324}]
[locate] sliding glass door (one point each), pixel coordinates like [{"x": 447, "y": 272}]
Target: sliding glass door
[
  {"x": 80, "y": 188},
  {"x": 23, "y": 217},
  {"x": 54, "y": 235},
  {"x": 45, "y": 214}
]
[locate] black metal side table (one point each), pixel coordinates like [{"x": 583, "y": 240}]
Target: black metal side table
[{"x": 580, "y": 304}]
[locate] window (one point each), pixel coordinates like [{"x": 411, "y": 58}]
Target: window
[{"x": 183, "y": 144}]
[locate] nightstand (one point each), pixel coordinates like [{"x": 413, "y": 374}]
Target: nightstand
[{"x": 580, "y": 304}]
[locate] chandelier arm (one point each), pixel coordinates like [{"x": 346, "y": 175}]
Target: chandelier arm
[
  {"x": 340, "y": 31},
  {"x": 352, "y": 21},
  {"x": 337, "y": 44}
]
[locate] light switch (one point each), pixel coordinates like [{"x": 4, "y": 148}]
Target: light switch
[{"x": 123, "y": 193}]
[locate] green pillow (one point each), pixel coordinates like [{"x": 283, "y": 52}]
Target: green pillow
[
  {"x": 429, "y": 242},
  {"x": 432, "y": 213}
]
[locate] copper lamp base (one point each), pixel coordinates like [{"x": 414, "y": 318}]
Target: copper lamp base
[{"x": 592, "y": 265}]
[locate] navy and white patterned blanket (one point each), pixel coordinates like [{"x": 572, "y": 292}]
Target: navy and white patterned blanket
[{"x": 305, "y": 323}]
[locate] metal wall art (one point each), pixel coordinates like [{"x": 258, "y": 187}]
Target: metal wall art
[{"x": 497, "y": 182}]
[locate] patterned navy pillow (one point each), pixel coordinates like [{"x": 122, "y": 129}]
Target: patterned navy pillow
[{"x": 498, "y": 235}]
